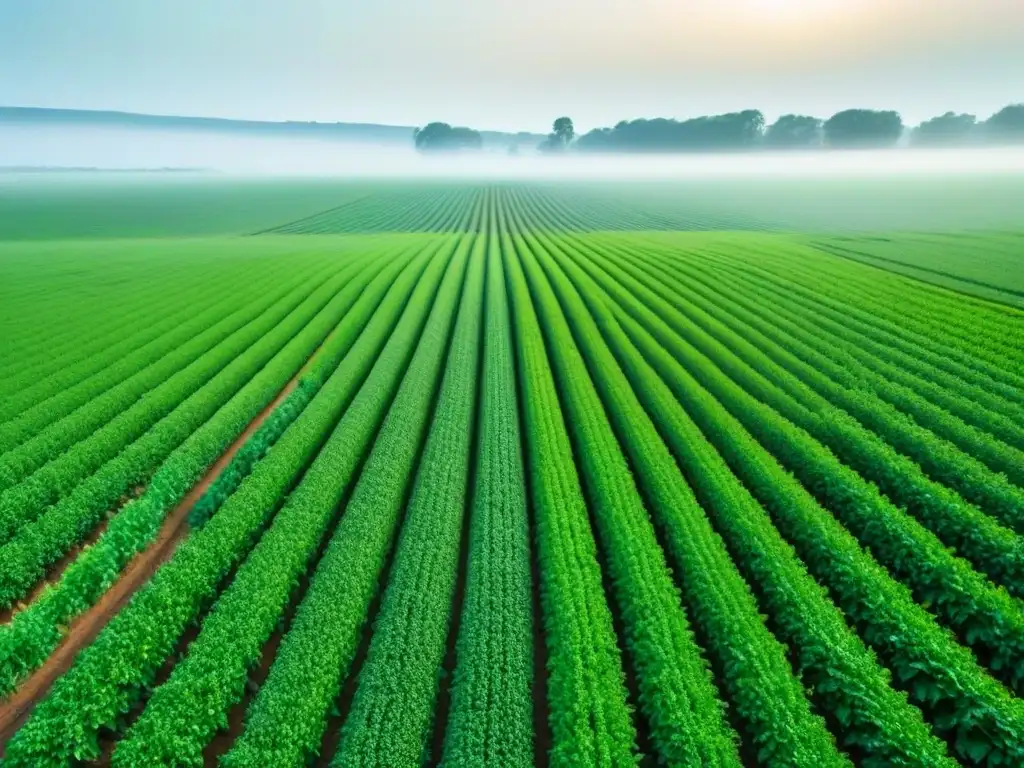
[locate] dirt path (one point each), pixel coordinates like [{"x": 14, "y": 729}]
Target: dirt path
[
  {"x": 84, "y": 629},
  {"x": 56, "y": 571}
]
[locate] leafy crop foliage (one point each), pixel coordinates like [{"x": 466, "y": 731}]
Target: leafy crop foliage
[{"x": 508, "y": 475}]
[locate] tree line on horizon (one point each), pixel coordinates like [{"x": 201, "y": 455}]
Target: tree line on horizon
[{"x": 748, "y": 130}]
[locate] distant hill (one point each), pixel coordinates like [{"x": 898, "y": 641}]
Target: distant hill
[
  {"x": 44, "y": 169},
  {"x": 370, "y": 133}
]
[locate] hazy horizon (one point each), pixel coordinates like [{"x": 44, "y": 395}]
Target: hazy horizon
[
  {"x": 125, "y": 148},
  {"x": 508, "y": 67}
]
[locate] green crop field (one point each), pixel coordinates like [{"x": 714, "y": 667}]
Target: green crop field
[{"x": 396, "y": 473}]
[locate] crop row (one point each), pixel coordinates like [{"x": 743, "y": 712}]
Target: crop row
[
  {"x": 832, "y": 356},
  {"x": 866, "y": 360},
  {"x": 799, "y": 371},
  {"x": 153, "y": 289},
  {"x": 176, "y": 330},
  {"x": 855, "y": 438},
  {"x": 124, "y": 659},
  {"x": 392, "y": 710},
  {"x": 428, "y": 209},
  {"x": 491, "y": 717},
  {"x": 364, "y": 292},
  {"x": 884, "y": 342},
  {"x": 315, "y": 654},
  {"x": 755, "y": 671},
  {"x": 526, "y": 493},
  {"x": 886, "y": 338},
  {"x": 440, "y": 207},
  {"x": 36, "y": 630},
  {"x": 946, "y": 316},
  {"x": 946, "y": 676},
  {"x": 185, "y": 712},
  {"x": 44, "y": 433},
  {"x": 935, "y": 316},
  {"x": 589, "y": 715},
  {"x": 130, "y": 418},
  {"x": 847, "y": 683},
  {"x": 25, "y": 558},
  {"x": 99, "y": 336},
  {"x": 992, "y": 547},
  {"x": 928, "y": 341},
  {"x": 804, "y": 378},
  {"x": 993, "y": 620},
  {"x": 580, "y": 208}
]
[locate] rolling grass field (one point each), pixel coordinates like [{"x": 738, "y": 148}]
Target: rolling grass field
[{"x": 506, "y": 474}]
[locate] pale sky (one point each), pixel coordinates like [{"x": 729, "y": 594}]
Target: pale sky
[{"x": 512, "y": 65}]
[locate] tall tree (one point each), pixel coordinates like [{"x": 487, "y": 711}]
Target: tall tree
[
  {"x": 794, "y": 132},
  {"x": 562, "y": 133},
  {"x": 945, "y": 130},
  {"x": 564, "y": 130},
  {"x": 441, "y": 137},
  {"x": 861, "y": 128},
  {"x": 714, "y": 133},
  {"x": 1007, "y": 124}
]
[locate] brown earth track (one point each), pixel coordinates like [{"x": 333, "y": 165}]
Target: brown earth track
[
  {"x": 54, "y": 574},
  {"x": 225, "y": 739},
  {"x": 84, "y": 629}
]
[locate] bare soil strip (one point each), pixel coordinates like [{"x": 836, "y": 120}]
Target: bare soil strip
[
  {"x": 84, "y": 629},
  {"x": 57, "y": 570}
]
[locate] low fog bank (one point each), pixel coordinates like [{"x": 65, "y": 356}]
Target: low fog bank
[
  {"x": 45, "y": 146},
  {"x": 124, "y": 149}
]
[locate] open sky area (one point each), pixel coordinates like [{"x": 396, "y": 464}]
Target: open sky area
[{"x": 511, "y": 66}]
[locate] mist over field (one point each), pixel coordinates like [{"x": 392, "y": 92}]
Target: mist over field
[
  {"x": 220, "y": 180},
  {"x": 125, "y": 148},
  {"x": 118, "y": 148}
]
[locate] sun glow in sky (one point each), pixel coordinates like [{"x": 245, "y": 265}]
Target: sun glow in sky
[
  {"x": 774, "y": 18},
  {"x": 496, "y": 64},
  {"x": 790, "y": 7}
]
